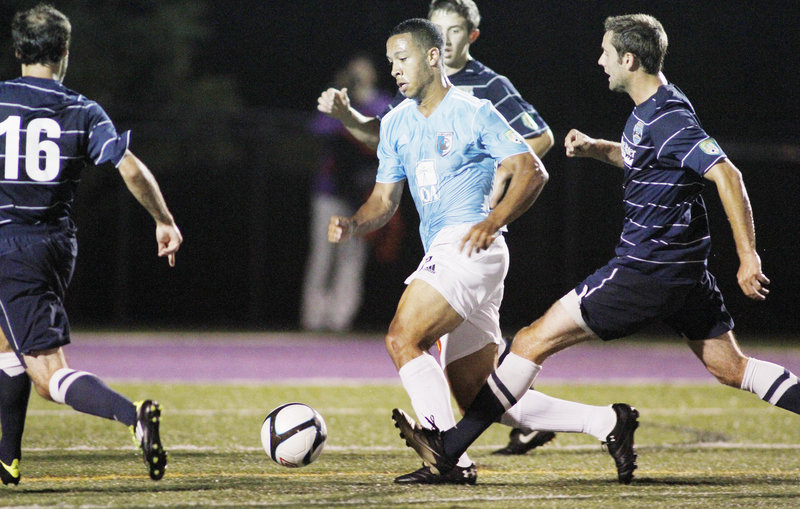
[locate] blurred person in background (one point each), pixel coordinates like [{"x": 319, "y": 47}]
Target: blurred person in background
[{"x": 334, "y": 277}]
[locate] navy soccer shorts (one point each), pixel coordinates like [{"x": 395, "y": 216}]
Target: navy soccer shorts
[
  {"x": 616, "y": 301},
  {"x": 36, "y": 265}
]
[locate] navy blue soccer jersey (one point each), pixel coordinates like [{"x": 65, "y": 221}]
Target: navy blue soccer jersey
[
  {"x": 482, "y": 82},
  {"x": 48, "y": 134},
  {"x": 666, "y": 153}
]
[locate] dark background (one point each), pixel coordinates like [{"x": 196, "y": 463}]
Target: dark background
[{"x": 218, "y": 95}]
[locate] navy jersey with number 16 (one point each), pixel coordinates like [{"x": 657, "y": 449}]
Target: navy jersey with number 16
[{"x": 48, "y": 134}]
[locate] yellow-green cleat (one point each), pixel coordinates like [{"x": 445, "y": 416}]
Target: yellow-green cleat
[
  {"x": 9, "y": 474},
  {"x": 146, "y": 435}
]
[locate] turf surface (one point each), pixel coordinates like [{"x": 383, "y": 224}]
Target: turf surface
[{"x": 699, "y": 445}]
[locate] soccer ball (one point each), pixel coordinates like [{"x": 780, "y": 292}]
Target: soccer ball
[{"x": 293, "y": 435}]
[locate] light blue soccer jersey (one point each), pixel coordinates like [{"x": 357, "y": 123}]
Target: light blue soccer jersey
[{"x": 449, "y": 158}]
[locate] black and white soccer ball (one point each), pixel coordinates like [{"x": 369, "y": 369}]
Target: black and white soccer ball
[{"x": 293, "y": 435}]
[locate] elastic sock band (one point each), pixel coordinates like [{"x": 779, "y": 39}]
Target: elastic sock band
[{"x": 60, "y": 382}]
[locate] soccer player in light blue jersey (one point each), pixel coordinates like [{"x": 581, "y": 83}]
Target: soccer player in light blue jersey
[
  {"x": 459, "y": 22},
  {"x": 446, "y": 145},
  {"x": 48, "y": 135},
  {"x": 659, "y": 272}
]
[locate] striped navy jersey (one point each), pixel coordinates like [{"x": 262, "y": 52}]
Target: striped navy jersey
[
  {"x": 482, "y": 82},
  {"x": 666, "y": 153},
  {"x": 48, "y": 134}
]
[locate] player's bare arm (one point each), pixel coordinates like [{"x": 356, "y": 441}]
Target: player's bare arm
[
  {"x": 528, "y": 177},
  {"x": 578, "y": 144},
  {"x": 540, "y": 145},
  {"x": 733, "y": 195},
  {"x": 143, "y": 186},
  {"x": 336, "y": 103},
  {"x": 372, "y": 215}
]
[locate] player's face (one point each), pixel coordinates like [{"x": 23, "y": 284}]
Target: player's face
[
  {"x": 410, "y": 67},
  {"x": 612, "y": 64},
  {"x": 456, "y": 38}
]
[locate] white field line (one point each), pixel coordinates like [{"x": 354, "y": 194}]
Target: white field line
[
  {"x": 213, "y": 412},
  {"x": 392, "y": 448}
]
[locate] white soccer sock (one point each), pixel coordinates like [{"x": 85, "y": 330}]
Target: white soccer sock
[
  {"x": 767, "y": 380},
  {"x": 426, "y": 385},
  {"x": 512, "y": 379},
  {"x": 540, "y": 412}
]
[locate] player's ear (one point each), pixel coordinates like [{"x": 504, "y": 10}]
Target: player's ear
[
  {"x": 473, "y": 36},
  {"x": 433, "y": 56},
  {"x": 630, "y": 62}
]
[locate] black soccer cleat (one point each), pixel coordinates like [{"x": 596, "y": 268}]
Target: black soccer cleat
[
  {"x": 148, "y": 418},
  {"x": 620, "y": 441},
  {"x": 458, "y": 475},
  {"x": 9, "y": 474},
  {"x": 426, "y": 442},
  {"x": 520, "y": 442}
]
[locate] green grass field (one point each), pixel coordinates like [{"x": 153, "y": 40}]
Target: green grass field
[{"x": 699, "y": 446}]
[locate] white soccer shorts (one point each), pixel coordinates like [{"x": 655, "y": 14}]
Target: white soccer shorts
[{"x": 472, "y": 285}]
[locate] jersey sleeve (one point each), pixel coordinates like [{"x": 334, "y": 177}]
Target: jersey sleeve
[
  {"x": 104, "y": 142},
  {"x": 390, "y": 165},
  {"x": 520, "y": 114},
  {"x": 496, "y": 135},
  {"x": 682, "y": 143}
]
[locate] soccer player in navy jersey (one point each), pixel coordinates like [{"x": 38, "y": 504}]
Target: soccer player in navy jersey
[
  {"x": 48, "y": 135},
  {"x": 659, "y": 272}
]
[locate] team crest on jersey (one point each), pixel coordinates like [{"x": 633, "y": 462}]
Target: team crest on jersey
[
  {"x": 444, "y": 143},
  {"x": 710, "y": 147},
  {"x": 514, "y": 136},
  {"x": 638, "y": 129},
  {"x": 529, "y": 122}
]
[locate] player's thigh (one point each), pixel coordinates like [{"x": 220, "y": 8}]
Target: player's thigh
[
  {"x": 423, "y": 316},
  {"x": 556, "y": 330}
]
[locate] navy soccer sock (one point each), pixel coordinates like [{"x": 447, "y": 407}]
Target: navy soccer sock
[
  {"x": 512, "y": 378},
  {"x": 88, "y": 394},
  {"x": 14, "y": 394}
]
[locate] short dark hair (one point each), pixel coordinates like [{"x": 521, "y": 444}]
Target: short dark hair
[
  {"x": 424, "y": 33},
  {"x": 641, "y": 35},
  {"x": 464, "y": 8},
  {"x": 41, "y": 35}
]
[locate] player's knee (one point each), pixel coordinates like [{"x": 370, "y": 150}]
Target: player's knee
[{"x": 398, "y": 345}]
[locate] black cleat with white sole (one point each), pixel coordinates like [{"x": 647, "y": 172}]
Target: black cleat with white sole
[
  {"x": 620, "y": 441},
  {"x": 458, "y": 475},
  {"x": 426, "y": 442},
  {"x": 520, "y": 442}
]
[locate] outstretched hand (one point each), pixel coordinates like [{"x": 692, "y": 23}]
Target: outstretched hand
[
  {"x": 169, "y": 240},
  {"x": 340, "y": 229},
  {"x": 578, "y": 144},
  {"x": 751, "y": 280},
  {"x": 334, "y": 103}
]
